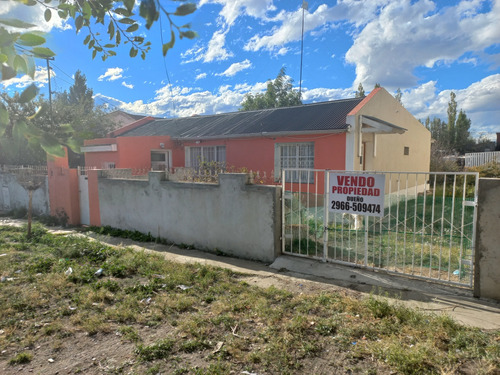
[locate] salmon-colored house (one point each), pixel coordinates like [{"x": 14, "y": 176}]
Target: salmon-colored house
[
  {"x": 374, "y": 133},
  {"x": 371, "y": 133}
]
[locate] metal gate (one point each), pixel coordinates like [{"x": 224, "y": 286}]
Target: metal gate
[{"x": 427, "y": 228}]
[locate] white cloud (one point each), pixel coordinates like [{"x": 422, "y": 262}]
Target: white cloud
[
  {"x": 406, "y": 35},
  {"x": 479, "y": 101},
  {"x": 34, "y": 15},
  {"x": 40, "y": 79},
  {"x": 201, "y": 76},
  {"x": 235, "y": 68},
  {"x": 111, "y": 74},
  {"x": 215, "y": 50},
  {"x": 177, "y": 101},
  {"x": 232, "y": 9},
  {"x": 127, "y": 85}
]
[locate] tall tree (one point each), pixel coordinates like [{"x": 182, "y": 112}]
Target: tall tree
[
  {"x": 462, "y": 134},
  {"x": 452, "y": 118},
  {"x": 75, "y": 111},
  {"x": 399, "y": 96},
  {"x": 361, "y": 91},
  {"x": 377, "y": 85},
  {"x": 80, "y": 94},
  {"x": 279, "y": 93}
]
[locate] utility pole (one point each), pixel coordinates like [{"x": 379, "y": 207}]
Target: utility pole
[
  {"x": 305, "y": 6},
  {"x": 50, "y": 88}
]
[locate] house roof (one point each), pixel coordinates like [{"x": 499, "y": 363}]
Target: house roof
[
  {"x": 119, "y": 112},
  {"x": 317, "y": 117}
]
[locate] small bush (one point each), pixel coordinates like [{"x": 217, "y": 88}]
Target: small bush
[
  {"x": 159, "y": 350},
  {"x": 21, "y": 358},
  {"x": 489, "y": 170}
]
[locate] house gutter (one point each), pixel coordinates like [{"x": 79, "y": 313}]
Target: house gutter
[{"x": 261, "y": 134}]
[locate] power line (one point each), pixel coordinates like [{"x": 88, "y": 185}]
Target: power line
[
  {"x": 62, "y": 71},
  {"x": 165, "y": 66}
]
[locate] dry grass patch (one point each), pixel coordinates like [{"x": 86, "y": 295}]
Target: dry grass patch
[{"x": 147, "y": 315}]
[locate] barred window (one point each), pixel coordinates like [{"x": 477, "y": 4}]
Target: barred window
[
  {"x": 196, "y": 156},
  {"x": 295, "y": 156}
]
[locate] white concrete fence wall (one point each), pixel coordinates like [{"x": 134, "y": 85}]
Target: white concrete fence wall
[
  {"x": 233, "y": 217},
  {"x": 14, "y": 196}
]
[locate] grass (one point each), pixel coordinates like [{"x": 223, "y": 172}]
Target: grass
[{"x": 219, "y": 324}]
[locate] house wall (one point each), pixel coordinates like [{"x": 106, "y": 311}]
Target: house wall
[
  {"x": 233, "y": 217},
  {"x": 257, "y": 153},
  {"x": 14, "y": 196},
  {"x": 132, "y": 152},
  {"x": 390, "y": 147},
  {"x": 64, "y": 190}
]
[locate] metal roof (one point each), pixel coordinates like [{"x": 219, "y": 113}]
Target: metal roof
[{"x": 325, "y": 116}]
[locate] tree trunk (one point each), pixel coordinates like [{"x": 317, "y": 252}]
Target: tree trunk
[{"x": 30, "y": 207}]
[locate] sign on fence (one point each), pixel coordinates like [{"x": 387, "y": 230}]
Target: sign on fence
[{"x": 361, "y": 194}]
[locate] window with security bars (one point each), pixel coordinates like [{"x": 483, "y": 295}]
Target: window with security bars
[
  {"x": 295, "y": 156},
  {"x": 206, "y": 154}
]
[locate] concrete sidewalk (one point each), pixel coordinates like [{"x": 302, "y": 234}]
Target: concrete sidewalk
[{"x": 303, "y": 275}]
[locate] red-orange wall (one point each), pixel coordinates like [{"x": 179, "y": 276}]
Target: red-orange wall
[
  {"x": 257, "y": 154},
  {"x": 132, "y": 152},
  {"x": 63, "y": 190},
  {"x": 252, "y": 153}
]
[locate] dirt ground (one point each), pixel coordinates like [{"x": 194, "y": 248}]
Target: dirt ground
[{"x": 109, "y": 353}]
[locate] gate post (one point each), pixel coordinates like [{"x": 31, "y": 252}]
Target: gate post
[
  {"x": 326, "y": 200},
  {"x": 487, "y": 256}
]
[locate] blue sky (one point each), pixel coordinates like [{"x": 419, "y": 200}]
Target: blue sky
[{"x": 426, "y": 48}]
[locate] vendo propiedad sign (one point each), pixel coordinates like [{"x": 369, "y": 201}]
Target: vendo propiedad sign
[{"x": 361, "y": 194}]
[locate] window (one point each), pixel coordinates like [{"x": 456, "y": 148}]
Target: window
[
  {"x": 295, "y": 156},
  {"x": 108, "y": 165},
  {"x": 406, "y": 151},
  {"x": 195, "y": 156}
]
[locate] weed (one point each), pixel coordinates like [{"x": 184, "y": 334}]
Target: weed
[
  {"x": 130, "y": 334},
  {"x": 21, "y": 358},
  {"x": 191, "y": 346},
  {"x": 160, "y": 350}
]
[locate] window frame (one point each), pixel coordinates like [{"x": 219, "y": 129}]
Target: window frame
[
  {"x": 217, "y": 152},
  {"x": 167, "y": 163},
  {"x": 310, "y": 159}
]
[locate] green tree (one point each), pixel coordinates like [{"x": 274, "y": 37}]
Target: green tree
[
  {"x": 19, "y": 48},
  {"x": 377, "y": 85},
  {"x": 77, "y": 109},
  {"x": 361, "y": 91},
  {"x": 452, "y": 117},
  {"x": 15, "y": 148},
  {"x": 399, "y": 96},
  {"x": 462, "y": 134},
  {"x": 279, "y": 93},
  {"x": 80, "y": 94}
]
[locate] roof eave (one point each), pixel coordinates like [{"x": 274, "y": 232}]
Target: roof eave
[{"x": 262, "y": 135}]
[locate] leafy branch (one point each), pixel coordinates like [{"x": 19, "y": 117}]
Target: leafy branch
[
  {"x": 116, "y": 13},
  {"x": 19, "y": 48}
]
